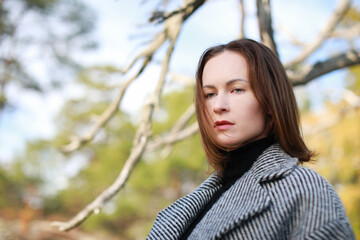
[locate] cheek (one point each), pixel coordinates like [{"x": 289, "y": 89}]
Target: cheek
[
  {"x": 260, "y": 117},
  {"x": 256, "y": 113},
  {"x": 209, "y": 114},
  {"x": 208, "y": 107}
]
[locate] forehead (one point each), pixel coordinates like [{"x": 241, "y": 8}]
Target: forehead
[{"x": 225, "y": 66}]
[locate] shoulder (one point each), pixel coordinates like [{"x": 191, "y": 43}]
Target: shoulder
[
  {"x": 311, "y": 187},
  {"x": 311, "y": 193},
  {"x": 281, "y": 175},
  {"x": 309, "y": 179},
  {"x": 278, "y": 167},
  {"x": 310, "y": 182},
  {"x": 312, "y": 200}
]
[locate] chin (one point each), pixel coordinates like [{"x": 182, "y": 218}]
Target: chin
[{"x": 228, "y": 142}]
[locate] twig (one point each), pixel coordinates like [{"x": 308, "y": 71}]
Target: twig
[
  {"x": 182, "y": 121},
  {"x": 339, "y": 12}
]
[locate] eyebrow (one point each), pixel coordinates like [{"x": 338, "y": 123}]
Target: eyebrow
[{"x": 228, "y": 82}]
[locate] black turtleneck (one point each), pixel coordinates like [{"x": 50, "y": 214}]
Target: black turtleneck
[{"x": 238, "y": 162}]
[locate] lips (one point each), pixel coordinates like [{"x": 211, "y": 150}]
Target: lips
[{"x": 223, "y": 125}]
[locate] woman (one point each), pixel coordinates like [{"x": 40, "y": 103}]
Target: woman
[{"x": 249, "y": 125}]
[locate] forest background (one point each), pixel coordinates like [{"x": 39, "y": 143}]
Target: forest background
[{"x": 97, "y": 127}]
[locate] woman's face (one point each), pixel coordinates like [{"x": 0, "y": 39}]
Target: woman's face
[{"x": 236, "y": 114}]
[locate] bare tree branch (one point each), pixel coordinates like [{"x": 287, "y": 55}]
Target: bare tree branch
[
  {"x": 265, "y": 24},
  {"x": 242, "y": 20},
  {"x": 172, "y": 27},
  {"x": 141, "y": 138},
  {"x": 320, "y": 68},
  {"x": 339, "y": 12}
]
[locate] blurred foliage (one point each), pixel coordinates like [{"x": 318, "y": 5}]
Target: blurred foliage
[
  {"x": 352, "y": 16},
  {"x": 33, "y": 60}
]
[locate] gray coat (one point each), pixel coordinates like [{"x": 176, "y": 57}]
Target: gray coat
[{"x": 275, "y": 199}]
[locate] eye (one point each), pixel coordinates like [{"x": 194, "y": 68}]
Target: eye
[
  {"x": 209, "y": 95},
  {"x": 237, "y": 90}
]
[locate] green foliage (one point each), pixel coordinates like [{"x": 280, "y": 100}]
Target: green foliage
[
  {"x": 20, "y": 187},
  {"x": 10, "y": 191},
  {"x": 352, "y": 16},
  {"x": 41, "y": 4}
]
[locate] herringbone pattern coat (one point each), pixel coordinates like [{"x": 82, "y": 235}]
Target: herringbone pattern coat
[{"x": 275, "y": 199}]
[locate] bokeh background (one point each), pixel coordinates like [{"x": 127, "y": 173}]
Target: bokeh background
[{"x": 63, "y": 63}]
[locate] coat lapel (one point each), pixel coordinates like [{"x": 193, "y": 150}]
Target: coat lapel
[
  {"x": 247, "y": 198},
  {"x": 243, "y": 201}
]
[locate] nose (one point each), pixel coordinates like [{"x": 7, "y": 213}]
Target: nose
[{"x": 221, "y": 104}]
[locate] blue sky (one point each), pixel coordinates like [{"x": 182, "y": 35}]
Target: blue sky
[{"x": 119, "y": 34}]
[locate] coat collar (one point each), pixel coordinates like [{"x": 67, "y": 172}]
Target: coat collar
[
  {"x": 243, "y": 200},
  {"x": 273, "y": 164}
]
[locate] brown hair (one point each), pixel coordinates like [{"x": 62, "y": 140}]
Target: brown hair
[{"x": 273, "y": 90}]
